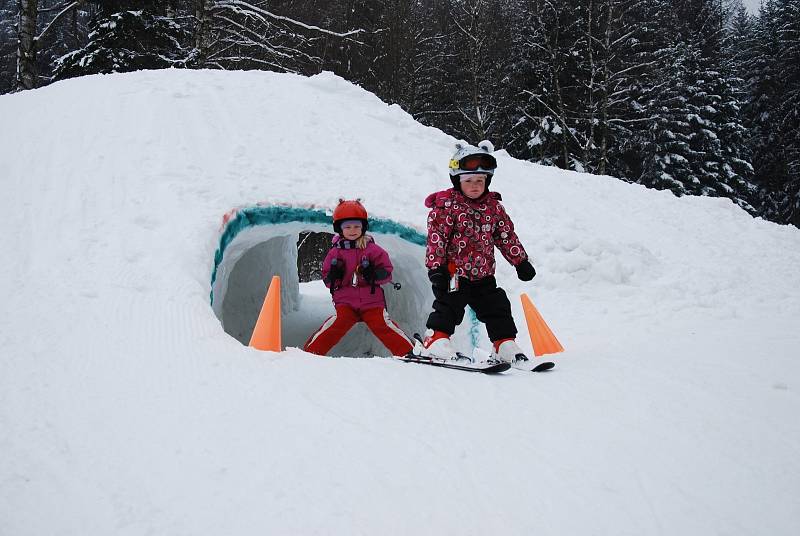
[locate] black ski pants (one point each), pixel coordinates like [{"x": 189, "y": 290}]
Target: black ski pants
[{"x": 489, "y": 302}]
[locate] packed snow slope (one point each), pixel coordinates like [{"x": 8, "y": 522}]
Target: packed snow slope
[{"x": 126, "y": 409}]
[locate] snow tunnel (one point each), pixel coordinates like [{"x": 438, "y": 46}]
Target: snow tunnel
[{"x": 261, "y": 241}]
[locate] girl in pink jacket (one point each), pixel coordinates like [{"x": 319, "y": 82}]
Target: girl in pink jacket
[{"x": 354, "y": 270}]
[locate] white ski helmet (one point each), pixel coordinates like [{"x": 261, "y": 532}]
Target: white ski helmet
[{"x": 470, "y": 159}]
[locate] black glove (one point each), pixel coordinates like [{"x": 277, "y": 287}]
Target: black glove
[
  {"x": 336, "y": 272},
  {"x": 439, "y": 277},
  {"x": 371, "y": 273},
  {"x": 368, "y": 272},
  {"x": 525, "y": 271}
]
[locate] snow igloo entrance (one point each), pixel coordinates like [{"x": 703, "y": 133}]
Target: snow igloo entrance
[{"x": 259, "y": 242}]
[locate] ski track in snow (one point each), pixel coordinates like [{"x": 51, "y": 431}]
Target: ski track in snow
[{"x": 126, "y": 409}]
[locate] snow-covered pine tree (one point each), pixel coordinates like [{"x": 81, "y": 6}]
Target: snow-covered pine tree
[
  {"x": 740, "y": 27},
  {"x": 666, "y": 149},
  {"x": 60, "y": 36},
  {"x": 735, "y": 157},
  {"x": 637, "y": 66},
  {"x": 790, "y": 117},
  {"x": 697, "y": 145},
  {"x": 128, "y": 35},
  {"x": 773, "y": 85},
  {"x": 8, "y": 44},
  {"x": 45, "y": 30}
]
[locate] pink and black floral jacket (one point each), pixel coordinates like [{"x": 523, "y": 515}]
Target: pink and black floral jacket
[{"x": 464, "y": 232}]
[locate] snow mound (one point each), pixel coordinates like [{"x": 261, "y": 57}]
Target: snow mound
[{"x": 126, "y": 408}]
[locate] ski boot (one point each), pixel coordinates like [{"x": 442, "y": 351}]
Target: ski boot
[
  {"x": 437, "y": 345},
  {"x": 508, "y": 351}
]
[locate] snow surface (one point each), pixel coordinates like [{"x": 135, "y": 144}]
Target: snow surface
[{"x": 126, "y": 409}]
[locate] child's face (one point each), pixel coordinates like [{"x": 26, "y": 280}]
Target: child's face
[
  {"x": 473, "y": 184},
  {"x": 351, "y": 231}
]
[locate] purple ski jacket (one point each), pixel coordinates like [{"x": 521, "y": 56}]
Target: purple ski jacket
[
  {"x": 358, "y": 296},
  {"x": 465, "y": 231}
]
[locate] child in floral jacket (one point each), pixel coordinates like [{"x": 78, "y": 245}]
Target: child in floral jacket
[{"x": 465, "y": 224}]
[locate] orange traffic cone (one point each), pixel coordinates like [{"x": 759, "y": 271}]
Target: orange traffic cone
[
  {"x": 542, "y": 339},
  {"x": 267, "y": 333}
]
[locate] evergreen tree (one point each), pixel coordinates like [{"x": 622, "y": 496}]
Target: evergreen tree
[
  {"x": 127, "y": 35},
  {"x": 45, "y": 30},
  {"x": 783, "y": 202},
  {"x": 67, "y": 34},
  {"x": 667, "y": 163},
  {"x": 697, "y": 143},
  {"x": 790, "y": 54},
  {"x": 8, "y": 44},
  {"x": 773, "y": 67},
  {"x": 640, "y": 103}
]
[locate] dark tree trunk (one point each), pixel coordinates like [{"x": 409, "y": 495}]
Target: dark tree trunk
[
  {"x": 26, "y": 48},
  {"x": 200, "y": 24}
]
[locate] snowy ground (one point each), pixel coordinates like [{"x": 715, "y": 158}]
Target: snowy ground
[{"x": 126, "y": 409}]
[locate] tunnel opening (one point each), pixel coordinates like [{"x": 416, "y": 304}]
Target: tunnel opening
[
  {"x": 262, "y": 241},
  {"x": 312, "y": 247}
]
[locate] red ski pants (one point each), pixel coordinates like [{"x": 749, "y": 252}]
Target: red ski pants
[{"x": 377, "y": 320}]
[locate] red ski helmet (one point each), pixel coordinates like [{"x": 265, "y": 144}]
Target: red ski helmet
[{"x": 349, "y": 210}]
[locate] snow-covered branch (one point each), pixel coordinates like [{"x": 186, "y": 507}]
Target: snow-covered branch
[
  {"x": 67, "y": 8},
  {"x": 255, "y": 9}
]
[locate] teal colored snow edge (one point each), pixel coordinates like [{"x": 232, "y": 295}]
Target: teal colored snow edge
[{"x": 277, "y": 214}]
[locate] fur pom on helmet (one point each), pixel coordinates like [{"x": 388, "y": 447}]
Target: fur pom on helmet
[{"x": 486, "y": 145}]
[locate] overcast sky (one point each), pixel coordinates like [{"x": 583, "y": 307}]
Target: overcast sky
[{"x": 752, "y": 6}]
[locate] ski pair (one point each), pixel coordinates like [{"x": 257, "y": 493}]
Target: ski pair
[
  {"x": 486, "y": 367},
  {"x": 491, "y": 365}
]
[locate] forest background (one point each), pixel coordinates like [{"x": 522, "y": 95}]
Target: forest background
[{"x": 699, "y": 97}]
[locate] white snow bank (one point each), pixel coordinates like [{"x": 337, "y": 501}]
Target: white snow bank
[{"x": 126, "y": 409}]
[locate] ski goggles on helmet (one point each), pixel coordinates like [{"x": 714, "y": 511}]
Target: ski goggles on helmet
[{"x": 475, "y": 162}]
